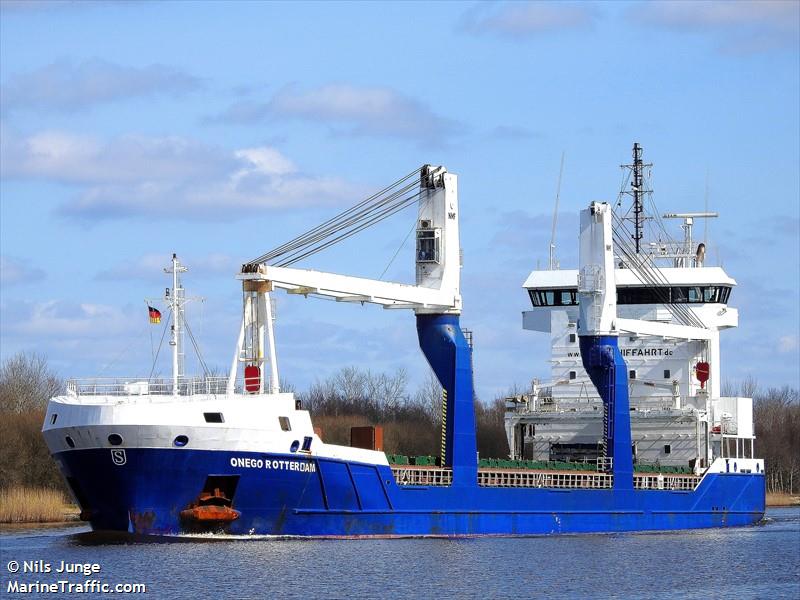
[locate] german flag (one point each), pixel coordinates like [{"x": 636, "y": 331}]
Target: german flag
[{"x": 155, "y": 315}]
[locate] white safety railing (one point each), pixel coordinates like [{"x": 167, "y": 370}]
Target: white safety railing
[
  {"x": 187, "y": 386},
  {"x": 543, "y": 479},
  {"x": 605, "y": 464},
  {"x": 422, "y": 475},
  {"x": 511, "y": 478},
  {"x": 666, "y": 482}
]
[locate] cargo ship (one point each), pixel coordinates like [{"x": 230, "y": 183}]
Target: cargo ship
[{"x": 236, "y": 455}]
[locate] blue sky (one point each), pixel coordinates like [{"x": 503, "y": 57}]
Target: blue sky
[{"x": 218, "y": 130}]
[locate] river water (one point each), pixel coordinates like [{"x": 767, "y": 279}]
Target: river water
[{"x": 753, "y": 562}]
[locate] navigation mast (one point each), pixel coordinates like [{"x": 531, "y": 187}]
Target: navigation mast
[
  {"x": 176, "y": 301},
  {"x": 637, "y": 191}
]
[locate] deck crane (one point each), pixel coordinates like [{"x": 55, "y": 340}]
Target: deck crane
[
  {"x": 599, "y": 327},
  {"x": 435, "y": 299}
]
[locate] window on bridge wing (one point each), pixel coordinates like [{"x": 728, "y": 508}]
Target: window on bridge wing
[
  {"x": 568, "y": 297},
  {"x": 428, "y": 245},
  {"x": 695, "y": 294}
]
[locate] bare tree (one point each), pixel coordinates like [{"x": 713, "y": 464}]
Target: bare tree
[{"x": 27, "y": 383}]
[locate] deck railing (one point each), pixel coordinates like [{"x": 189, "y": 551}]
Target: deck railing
[
  {"x": 528, "y": 478},
  {"x": 422, "y": 475},
  {"x": 666, "y": 482},
  {"x": 543, "y": 479},
  {"x": 132, "y": 386}
]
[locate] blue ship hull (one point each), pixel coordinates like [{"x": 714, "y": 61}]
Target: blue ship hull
[{"x": 329, "y": 498}]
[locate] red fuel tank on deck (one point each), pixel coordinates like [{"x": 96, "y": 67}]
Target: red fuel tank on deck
[
  {"x": 702, "y": 371},
  {"x": 252, "y": 378}
]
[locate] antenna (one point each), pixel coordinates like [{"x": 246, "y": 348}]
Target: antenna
[
  {"x": 637, "y": 191},
  {"x": 705, "y": 210},
  {"x": 553, "y": 263}
]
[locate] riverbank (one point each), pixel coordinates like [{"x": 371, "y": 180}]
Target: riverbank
[
  {"x": 782, "y": 499},
  {"x": 36, "y": 505}
]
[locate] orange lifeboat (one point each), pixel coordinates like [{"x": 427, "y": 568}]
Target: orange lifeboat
[{"x": 210, "y": 509}]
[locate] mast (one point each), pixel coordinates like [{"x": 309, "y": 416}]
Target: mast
[
  {"x": 176, "y": 301},
  {"x": 553, "y": 264},
  {"x": 637, "y": 191}
]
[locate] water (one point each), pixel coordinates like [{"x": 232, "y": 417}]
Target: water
[{"x": 753, "y": 562}]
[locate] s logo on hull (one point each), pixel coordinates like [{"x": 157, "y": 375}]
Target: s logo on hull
[{"x": 118, "y": 456}]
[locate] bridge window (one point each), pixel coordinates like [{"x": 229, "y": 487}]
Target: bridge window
[
  {"x": 562, "y": 297},
  {"x": 667, "y": 374},
  {"x": 572, "y": 374},
  {"x": 695, "y": 294},
  {"x": 212, "y": 417},
  {"x": 642, "y": 295},
  {"x": 285, "y": 425},
  {"x": 712, "y": 294}
]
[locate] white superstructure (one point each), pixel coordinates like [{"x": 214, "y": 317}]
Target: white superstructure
[{"x": 668, "y": 320}]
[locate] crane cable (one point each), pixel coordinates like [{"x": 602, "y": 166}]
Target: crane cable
[
  {"x": 369, "y": 211},
  {"x": 651, "y": 275}
]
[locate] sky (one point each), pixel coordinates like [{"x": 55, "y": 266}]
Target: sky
[{"x": 219, "y": 130}]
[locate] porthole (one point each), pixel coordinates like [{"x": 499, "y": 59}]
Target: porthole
[
  {"x": 70, "y": 442},
  {"x": 180, "y": 441},
  {"x": 115, "y": 439},
  {"x": 295, "y": 446}
]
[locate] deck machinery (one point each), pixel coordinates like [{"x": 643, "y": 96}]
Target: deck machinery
[{"x": 144, "y": 463}]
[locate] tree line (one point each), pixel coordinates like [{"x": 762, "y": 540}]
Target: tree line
[{"x": 411, "y": 419}]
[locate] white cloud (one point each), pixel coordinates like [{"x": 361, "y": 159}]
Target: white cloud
[
  {"x": 150, "y": 267},
  {"x": 77, "y": 158},
  {"x": 265, "y": 160},
  {"x": 15, "y": 270},
  {"x": 741, "y": 27},
  {"x": 526, "y": 19},
  {"x": 68, "y": 87},
  {"x": 170, "y": 176},
  {"x": 360, "y": 110},
  {"x": 61, "y": 318}
]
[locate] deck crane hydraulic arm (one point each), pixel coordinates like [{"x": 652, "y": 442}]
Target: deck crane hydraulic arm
[
  {"x": 435, "y": 299},
  {"x": 598, "y": 331}
]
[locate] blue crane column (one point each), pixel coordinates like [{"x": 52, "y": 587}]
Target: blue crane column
[
  {"x": 597, "y": 333},
  {"x": 609, "y": 374},
  {"x": 450, "y": 357}
]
